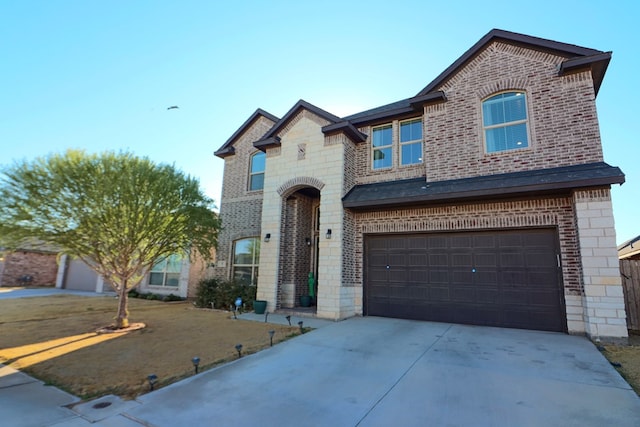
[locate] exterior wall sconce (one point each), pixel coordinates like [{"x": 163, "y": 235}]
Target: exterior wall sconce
[
  {"x": 267, "y": 237},
  {"x": 328, "y": 233},
  {"x": 308, "y": 241}
]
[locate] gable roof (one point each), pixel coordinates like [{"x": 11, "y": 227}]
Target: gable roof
[
  {"x": 577, "y": 57},
  {"x": 227, "y": 147},
  {"x": 271, "y": 137}
]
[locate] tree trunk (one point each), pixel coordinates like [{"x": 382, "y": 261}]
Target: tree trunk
[{"x": 122, "y": 318}]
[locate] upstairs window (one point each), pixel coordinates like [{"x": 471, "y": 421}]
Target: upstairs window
[
  {"x": 504, "y": 119},
  {"x": 411, "y": 142},
  {"x": 382, "y": 147},
  {"x": 166, "y": 272},
  {"x": 246, "y": 258},
  {"x": 256, "y": 171}
]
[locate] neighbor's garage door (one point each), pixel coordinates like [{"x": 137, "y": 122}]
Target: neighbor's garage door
[{"x": 498, "y": 278}]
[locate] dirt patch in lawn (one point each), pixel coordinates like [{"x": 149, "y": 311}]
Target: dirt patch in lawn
[
  {"x": 626, "y": 360},
  {"x": 54, "y": 339}
]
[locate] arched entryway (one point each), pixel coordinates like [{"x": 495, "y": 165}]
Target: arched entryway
[{"x": 299, "y": 252}]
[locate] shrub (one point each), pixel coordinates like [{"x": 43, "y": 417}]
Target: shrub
[
  {"x": 172, "y": 297},
  {"x": 223, "y": 294}
]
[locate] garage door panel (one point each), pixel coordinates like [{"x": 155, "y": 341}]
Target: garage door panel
[
  {"x": 418, "y": 259},
  {"x": 543, "y": 279},
  {"x": 461, "y": 260},
  {"x": 498, "y": 278},
  {"x": 396, "y": 244},
  {"x": 460, "y": 241},
  {"x": 417, "y": 243},
  {"x": 488, "y": 296},
  {"x": 485, "y": 259},
  {"x": 512, "y": 259},
  {"x": 439, "y": 294},
  {"x": 484, "y": 241},
  {"x": 485, "y": 277},
  {"x": 397, "y": 260},
  {"x": 438, "y": 260},
  {"x": 461, "y": 277},
  {"x": 438, "y": 277}
]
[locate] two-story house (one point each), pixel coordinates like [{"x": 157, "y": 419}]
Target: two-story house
[{"x": 483, "y": 199}]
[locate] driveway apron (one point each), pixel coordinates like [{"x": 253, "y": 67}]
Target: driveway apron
[{"x": 380, "y": 372}]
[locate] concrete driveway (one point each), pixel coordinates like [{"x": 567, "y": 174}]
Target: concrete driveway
[
  {"x": 10, "y": 293},
  {"x": 382, "y": 372}
]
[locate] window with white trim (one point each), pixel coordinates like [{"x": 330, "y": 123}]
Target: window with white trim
[
  {"x": 411, "y": 142},
  {"x": 504, "y": 119},
  {"x": 256, "y": 171},
  {"x": 246, "y": 258},
  {"x": 382, "y": 145},
  {"x": 166, "y": 272}
]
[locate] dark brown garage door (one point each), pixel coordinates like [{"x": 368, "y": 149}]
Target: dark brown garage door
[{"x": 497, "y": 278}]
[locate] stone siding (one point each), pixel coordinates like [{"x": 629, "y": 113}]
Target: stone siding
[{"x": 603, "y": 304}]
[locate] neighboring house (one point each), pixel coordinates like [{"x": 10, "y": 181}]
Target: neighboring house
[
  {"x": 483, "y": 199},
  {"x": 175, "y": 275},
  {"x": 28, "y": 267},
  {"x": 630, "y": 249}
]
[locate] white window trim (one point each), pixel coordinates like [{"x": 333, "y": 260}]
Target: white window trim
[
  {"x": 413, "y": 141},
  {"x": 374, "y": 149},
  {"x": 252, "y": 174},
  {"x": 254, "y": 266},
  {"x": 526, "y": 121}
]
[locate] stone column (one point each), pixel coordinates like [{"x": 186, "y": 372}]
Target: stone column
[{"x": 603, "y": 301}]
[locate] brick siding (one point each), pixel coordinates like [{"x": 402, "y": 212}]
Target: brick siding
[{"x": 42, "y": 266}]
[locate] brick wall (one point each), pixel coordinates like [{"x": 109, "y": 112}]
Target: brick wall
[
  {"x": 563, "y": 124},
  {"x": 295, "y": 261},
  {"x": 562, "y": 120},
  {"x": 42, "y": 266},
  {"x": 240, "y": 209}
]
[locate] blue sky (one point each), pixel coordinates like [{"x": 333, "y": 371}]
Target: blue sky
[{"x": 100, "y": 75}]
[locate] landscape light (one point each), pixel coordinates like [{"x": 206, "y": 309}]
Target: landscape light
[
  {"x": 239, "y": 350},
  {"x": 271, "y": 333},
  {"x": 153, "y": 379},
  {"x": 196, "y": 362}
]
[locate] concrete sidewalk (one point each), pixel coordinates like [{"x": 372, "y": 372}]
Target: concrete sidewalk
[{"x": 380, "y": 372}]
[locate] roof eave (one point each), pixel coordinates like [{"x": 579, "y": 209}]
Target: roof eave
[
  {"x": 263, "y": 144},
  {"x": 562, "y": 49},
  {"x": 500, "y": 192},
  {"x": 224, "y": 149},
  {"x": 347, "y": 128},
  {"x": 597, "y": 63},
  {"x": 300, "y": 105},
  {"x": 224, "y": 152}
]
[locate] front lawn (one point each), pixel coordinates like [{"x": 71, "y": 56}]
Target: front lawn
[{"x": 53, "y": 339}]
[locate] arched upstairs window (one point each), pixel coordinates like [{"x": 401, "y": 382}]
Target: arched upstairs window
[
  {"x": 256, "y": 171},
  {"x": 504, "y": 120}
]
